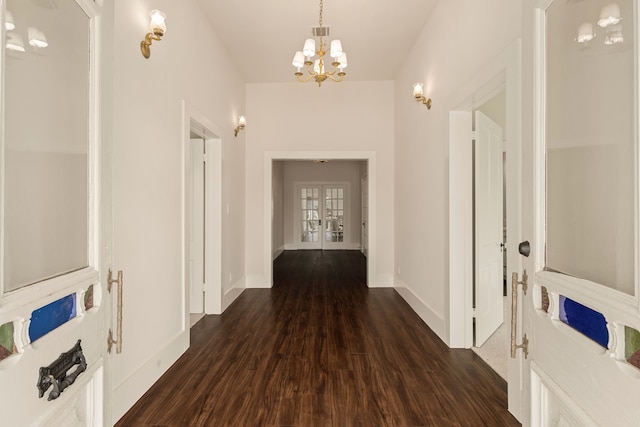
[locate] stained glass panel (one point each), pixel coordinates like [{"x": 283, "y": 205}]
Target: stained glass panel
[
  {"x": 632, "y": 346},
  {"x": 584, "y": 320},
  {"x": 7, "y": 343},
  {"x": 51, "y": 316}
]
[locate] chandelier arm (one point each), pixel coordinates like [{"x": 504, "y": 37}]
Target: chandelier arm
[
  {"x": 305, "y": 79},
  {"x": 337, "y": 80}
]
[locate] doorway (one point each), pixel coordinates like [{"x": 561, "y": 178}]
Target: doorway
[
  {"x": 490, "y": 338},
  {"x": 503, "y": 73},
  {"x": 202, "y": 213},
  {"x": 340, "y": 173},
  {"x": 197, "y": 187}
]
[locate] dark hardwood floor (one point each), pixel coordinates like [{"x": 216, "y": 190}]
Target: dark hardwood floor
[{"x": 321, "y": 349}]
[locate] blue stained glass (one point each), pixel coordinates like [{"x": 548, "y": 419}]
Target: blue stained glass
[
  {"x": 51, "y": 316},
  {"x": 584, "y": 320}
]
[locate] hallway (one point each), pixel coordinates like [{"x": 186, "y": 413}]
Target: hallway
[{"x": 321, "y": 349}]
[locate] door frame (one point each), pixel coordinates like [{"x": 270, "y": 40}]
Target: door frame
[
  {"x": 503, "y": 72},
  {"x": 271, "y": 156},
  {"x": 192, "y": 120}
]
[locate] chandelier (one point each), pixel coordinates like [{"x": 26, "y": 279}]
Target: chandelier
[{"x": 316, "y": 69}]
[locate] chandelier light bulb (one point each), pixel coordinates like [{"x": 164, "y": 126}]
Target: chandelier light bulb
[
  {"x": 37, "y": 38},
  {"x": 8, "y": 21},
  {"x": 610, "y": 15},
  {"x": 15, "y": 43},
  {"x": 298, "y": 60},
  {"x": 309, "y": 48},
  {"x": 342, "y": 60},
  {"x": 336, "y": 49},
  {"x": 615, "y": 37},
  {"x": 585, "y": 32}
]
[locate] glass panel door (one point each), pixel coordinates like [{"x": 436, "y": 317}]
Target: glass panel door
[
  {"x": 310, "y": 220},
  {"x": 334, "y": 214},
  {"x": 322, "y": 215}
]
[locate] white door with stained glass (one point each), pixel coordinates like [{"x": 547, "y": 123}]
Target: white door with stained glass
[
  {"x": 54, "y": 221},
  {"x": 321, "y": 216}
]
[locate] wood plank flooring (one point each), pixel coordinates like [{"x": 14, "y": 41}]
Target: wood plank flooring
[{"x": 321, "y": 349}]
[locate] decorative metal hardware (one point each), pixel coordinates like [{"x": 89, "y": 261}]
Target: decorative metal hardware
[
  {"x": 514, "y": 313},
  {"x": 56, "y": 373},
  {"x": 524, "y": 248},
  {"x": 118, "y": 340}
]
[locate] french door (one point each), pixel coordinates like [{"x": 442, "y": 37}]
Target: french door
[{"x": 321, "y": 216}]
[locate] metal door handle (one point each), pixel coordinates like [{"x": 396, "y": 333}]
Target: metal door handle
[
  {"x": 514, "y": 314},
  {"x": 118, "y": 340}
]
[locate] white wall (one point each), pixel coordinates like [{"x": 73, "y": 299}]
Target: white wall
[
  {"x": 308, "y": 171},
  {"x": 189, "y": 64},
  {"x": 296, "y": 117},
  {"x": 476, "y": 32}
]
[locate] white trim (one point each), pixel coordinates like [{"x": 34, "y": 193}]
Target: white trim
[
  {"x": 435, "y": 321},
  {"x": 266, "y": 280},
  {"x": 543, "y": 388}
]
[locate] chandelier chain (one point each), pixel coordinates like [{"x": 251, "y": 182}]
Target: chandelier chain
[{"x": 320, "y": 13}]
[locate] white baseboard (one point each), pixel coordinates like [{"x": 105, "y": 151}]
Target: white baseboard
[
  {"x": 422, "y": 309},
  {"x": 230, "y": 296},
  {"x": 382, "y": 281},
  {"x": 127, "y": 393},
  {"x": 256, "y": 281},
  {"x": 277, "y": 253}
]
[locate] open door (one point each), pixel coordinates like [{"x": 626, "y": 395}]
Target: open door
[
  {"x": 54, "y": 223},
  {"x": 488, "y": 228},
  {"x": 197, "y": 225}
]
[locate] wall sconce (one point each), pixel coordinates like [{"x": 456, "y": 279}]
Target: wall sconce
[
  {"x": 418, "y": 94},
  {"x": 242, "y": 122},
  {"x": 158, "y": 28}
]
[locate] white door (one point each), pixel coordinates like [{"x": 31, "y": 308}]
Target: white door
[
  {"x": 309, "y": 223},
  {"x": 54, "y": 194},
  {"x": 322, "y": 216},
  {"x": 365, "y": 214},
  {"x": 197, "y": 225},
  {"x": 488, "y": 228},
  {"x": 334, "y": 212}
]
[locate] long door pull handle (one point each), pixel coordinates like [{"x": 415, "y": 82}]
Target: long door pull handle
[
  {"x": 118, "y": 340},
  {"x": 514, "y": 314}
]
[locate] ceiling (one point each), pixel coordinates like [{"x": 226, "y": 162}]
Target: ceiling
[{"x": 262, "y": 36}]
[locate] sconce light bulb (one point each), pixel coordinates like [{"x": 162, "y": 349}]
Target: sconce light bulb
[
  {"x": 418, "y": 90},
  {"x": 157, "y": 21}
]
